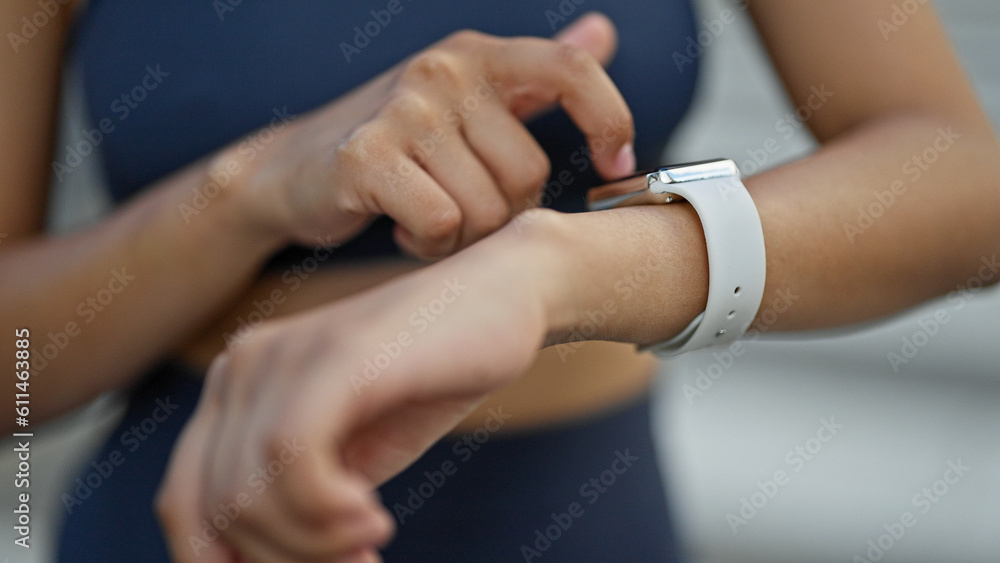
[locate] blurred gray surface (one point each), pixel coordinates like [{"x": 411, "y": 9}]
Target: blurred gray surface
[{"x": 899, "y": 429}]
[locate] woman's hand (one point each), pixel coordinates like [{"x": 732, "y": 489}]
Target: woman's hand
[
  {"x": 297, "y": 426},
  {"x": 437, "y": 143}
]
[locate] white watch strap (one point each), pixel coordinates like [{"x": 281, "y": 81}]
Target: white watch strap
[{"x": 735, "y": 241}]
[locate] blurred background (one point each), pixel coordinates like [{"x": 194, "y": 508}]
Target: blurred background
[{"x": 859, "y": 438}]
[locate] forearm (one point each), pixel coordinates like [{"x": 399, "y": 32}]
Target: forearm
[
  {"x": 932, "y": 225},
  {"x": 104, "y": 304}
]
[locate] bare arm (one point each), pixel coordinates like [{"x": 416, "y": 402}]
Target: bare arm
[
  {"x": 163, "y": 276},
  {"x": 104, "y": 304},
  {"x": 902, "y": 132},
  {"x": 545, "y": 274}
]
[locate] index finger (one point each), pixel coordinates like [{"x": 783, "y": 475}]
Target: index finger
[{"x": 535, "y": 73}]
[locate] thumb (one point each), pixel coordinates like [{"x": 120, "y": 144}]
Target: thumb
[
  {"x": 179, "y": 501},
  {"x": 594, "y": 33}
]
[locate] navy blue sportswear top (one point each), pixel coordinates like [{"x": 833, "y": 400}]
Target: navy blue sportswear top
[{"x": 174, "y": 81}]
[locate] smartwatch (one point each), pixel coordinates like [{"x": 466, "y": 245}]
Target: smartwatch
[{"x": 733, "y": 234}]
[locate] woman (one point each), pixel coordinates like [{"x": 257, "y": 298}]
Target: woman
[{"x": 448, "y": 179}]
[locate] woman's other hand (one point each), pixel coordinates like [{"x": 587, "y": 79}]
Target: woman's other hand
[
  {"x": 438, "y": 144},
  {"x": 297, "y": 426}
]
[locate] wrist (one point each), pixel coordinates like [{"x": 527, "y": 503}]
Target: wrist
[
  {"x": 234, "y": 206},
  {"x": 541, "y": 247},
  {"x": 641, "y": 272}
]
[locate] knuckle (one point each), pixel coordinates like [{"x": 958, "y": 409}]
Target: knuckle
[
  {"x": 360, "y": 148},
  {"x": 536, "y": 169},
  {"x": 436, "y": 66},
  {"x": 442, "y": 224},
  {"x": 529, "y": 179},
  {"x": 349, "y": 155},
  {"x": 573, "y": 62},
  {"x": 356, "y": 157},
  {"x": 351, "y": 202},
  {"x": 493, "y": 218},
  {"x": 412, "y": 107},
  {"x": 465, "y": 38}
]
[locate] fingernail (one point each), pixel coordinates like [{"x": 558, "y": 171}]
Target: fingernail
[{"x": 625, "y": 161}]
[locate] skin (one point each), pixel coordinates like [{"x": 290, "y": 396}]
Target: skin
[
  {"x": 529, "y": 284},
  {"x": 537, "y": 278},
  {"x": 322, "y": 179}
]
